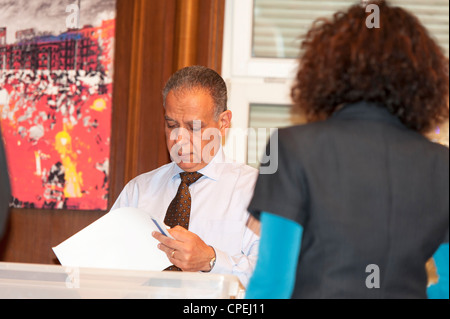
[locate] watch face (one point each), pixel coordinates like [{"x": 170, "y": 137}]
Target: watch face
[{"x": 212, "y": 262}]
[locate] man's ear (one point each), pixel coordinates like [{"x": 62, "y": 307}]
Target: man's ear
[{"x": 225, "y": 120}]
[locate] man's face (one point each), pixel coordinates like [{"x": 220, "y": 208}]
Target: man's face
[{"x": 193, "y": 135}]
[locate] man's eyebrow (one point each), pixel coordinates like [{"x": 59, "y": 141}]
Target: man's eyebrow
[
  {"x": 168, "y": 118},
  {"x": 188, "y": 123}
]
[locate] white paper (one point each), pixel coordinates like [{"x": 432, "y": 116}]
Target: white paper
[{"x": 121, "y": 239}]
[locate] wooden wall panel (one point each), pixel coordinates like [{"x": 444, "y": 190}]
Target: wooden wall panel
[
  {"x": 210, "y": 33},
  {"x": 153, "y": 69},
  {"x": 199, "y": 33},
  {"x": 150, "y": 46},
  {"x": 143, "y": 63},
  {"x": 32, "y": 233}
]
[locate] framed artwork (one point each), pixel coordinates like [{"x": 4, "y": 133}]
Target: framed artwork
[{"x": 56, "y": 82}]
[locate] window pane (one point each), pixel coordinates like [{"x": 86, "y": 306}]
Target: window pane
[
  {"x": 279, "y": 24},
  {"x": 263, "y": 119}
]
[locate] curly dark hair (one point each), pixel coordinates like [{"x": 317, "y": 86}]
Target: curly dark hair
[{"x": 398, "y": 65}]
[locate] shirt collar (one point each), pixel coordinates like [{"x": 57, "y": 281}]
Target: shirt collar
[{"x": 212, "y": 170}]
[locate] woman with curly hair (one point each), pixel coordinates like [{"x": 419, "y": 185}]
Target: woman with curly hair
[{"x": 360, "y": 199}]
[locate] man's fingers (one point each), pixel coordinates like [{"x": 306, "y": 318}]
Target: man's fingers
[
  {"x": 183, "y": 235},
  {"x": 179, "y": 233},
  {"x": 165, "y": 248},
  {"x": 164, "y": 240},
  {"x": 169, "y": 251}
]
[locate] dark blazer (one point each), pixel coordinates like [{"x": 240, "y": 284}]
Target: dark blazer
[
  {"x": 367, "y": 191},
  {"x": 4, "y": 188}
]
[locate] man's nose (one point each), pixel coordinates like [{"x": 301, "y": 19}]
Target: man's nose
[{"x": 182, "y": 136}]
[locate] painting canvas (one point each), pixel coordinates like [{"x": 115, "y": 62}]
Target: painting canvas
[{"x": 56, "y": 71}]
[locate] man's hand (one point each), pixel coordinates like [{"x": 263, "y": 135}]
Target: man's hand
[{"x": 187, "y": 251}]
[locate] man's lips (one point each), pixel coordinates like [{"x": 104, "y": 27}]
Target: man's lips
[{"x": 185, "y": 156}]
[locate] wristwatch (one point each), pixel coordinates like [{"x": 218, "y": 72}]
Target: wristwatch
[{"x": 212, "y": 262}]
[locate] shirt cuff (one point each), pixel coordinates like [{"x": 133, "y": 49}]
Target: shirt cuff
[
  {"x": 240, "y": 266},
  {"x": 223, "y": 263}
]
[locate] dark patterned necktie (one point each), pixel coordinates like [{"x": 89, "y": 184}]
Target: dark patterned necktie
[{"x": 179, "y": 210}]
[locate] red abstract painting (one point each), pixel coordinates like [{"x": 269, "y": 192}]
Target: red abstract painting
[{"x": 55, "y": 107}]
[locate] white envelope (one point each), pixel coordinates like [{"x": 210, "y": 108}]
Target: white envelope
[{"x": 121, "y": 239}]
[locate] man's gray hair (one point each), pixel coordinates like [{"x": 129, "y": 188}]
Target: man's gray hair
[{"x": 199, "y": 77}]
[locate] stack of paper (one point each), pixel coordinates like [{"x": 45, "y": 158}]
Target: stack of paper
[{"x": 122, "y": 239}]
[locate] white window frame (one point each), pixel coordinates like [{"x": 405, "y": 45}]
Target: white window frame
[
  {"x": 250, "y": 80},
  {"x": 238, "y": 41},
  {"x": 243, "y": 93}
]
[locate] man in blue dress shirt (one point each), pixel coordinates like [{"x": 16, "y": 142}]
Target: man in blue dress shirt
[{"x": 217, "y": 238}]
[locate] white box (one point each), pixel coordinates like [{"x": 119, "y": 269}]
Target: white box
[{"x": 34, "y": 281}]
